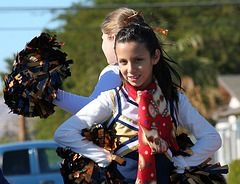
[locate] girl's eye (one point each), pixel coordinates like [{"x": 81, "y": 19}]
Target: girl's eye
[
  {"x": 138, "y": 59},
  {"x": 123, "y": 61}
]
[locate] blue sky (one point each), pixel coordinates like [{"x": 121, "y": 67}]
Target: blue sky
[{"x": 14, "y": 39}]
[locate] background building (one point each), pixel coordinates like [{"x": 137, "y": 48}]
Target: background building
[{"x": 228, "y": 119}]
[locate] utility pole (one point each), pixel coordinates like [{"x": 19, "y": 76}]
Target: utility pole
[{"x": 22, "y": 128}]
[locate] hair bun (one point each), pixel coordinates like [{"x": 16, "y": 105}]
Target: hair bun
[{"x": 37, "y": 73}]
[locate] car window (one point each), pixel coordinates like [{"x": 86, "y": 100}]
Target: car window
[
  {"x": 48, "y": 160},
  {"x": 16, "y": 163}
]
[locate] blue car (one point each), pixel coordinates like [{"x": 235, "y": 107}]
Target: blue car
[{"x": 31, "y": 162}]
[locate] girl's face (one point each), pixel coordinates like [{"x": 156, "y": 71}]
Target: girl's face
[
  {"x": 136, "y": 64},
  {"x": 108, "y": 48}
]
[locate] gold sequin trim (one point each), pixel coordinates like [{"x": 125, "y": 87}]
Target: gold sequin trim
[
  {"x": 125, "y": 152},
  {"x": 129, "y": 119}
]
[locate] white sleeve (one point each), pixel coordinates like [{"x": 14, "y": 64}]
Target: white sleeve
[
  {"x": 69, "y": 133},
  {"x": 70, "y": 102},
  {"x": 109, "y": 79},
  {"x": 208, "y": 139}
]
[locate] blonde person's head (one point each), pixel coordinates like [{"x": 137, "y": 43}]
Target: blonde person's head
[
  {"x": 114, "y": 21},
  {"x": 112, "y": 24}
]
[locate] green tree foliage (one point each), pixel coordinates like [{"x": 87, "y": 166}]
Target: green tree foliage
[
  {"x": 82, "y": 37},
  {"x": 234, "y": 174}
]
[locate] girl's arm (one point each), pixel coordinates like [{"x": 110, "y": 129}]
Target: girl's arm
[
  {"x": 109, "y": 79},
  {"x": 69, "y": 133},
  {"x": 208, "y": 139}
]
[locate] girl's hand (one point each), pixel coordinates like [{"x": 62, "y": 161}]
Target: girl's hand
[{"x": 180, "y": 164}]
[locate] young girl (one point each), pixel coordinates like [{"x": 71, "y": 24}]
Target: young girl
[
  {"x": 109, "y": 77},
  {"x": 145, "y": 109}
]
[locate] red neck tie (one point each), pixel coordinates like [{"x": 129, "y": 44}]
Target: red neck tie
[{"x": 155, "y": 133}]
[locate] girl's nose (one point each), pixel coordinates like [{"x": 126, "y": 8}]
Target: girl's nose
[{"x": 131, "y": 67}]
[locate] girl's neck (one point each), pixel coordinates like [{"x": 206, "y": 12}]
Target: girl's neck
[{"x": 149, "y": 86}]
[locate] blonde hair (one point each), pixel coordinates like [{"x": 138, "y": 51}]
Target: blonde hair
[{"x": 114, "y": 21}]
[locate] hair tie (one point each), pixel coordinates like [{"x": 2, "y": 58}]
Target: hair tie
[
  {"x": 136, "y": 14},
  {"x": 160, "y": 30}
]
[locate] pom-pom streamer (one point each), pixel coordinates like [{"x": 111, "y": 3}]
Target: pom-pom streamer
[
  {"x": 37, "y": 73},
  {"x": 201, "y": 174}
]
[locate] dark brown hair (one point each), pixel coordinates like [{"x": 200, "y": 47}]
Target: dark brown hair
[{"x": 162, "y": 71}]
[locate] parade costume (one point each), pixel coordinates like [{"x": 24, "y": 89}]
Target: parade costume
[{"x": 120, "y": 112}]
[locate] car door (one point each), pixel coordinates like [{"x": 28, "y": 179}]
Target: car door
[
  {"x": 16, "y": 167},
  {"x": 49, "y": 166}
]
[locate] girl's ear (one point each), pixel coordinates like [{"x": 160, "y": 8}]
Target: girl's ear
[
  {"x": 156, "y": 57},
  {"x": 113, "y": 40},
  {"x": 113, "y": 37}
]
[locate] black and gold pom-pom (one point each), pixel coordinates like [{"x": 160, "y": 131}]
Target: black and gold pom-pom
[
  {"x": 203, "y": 173},
  {"x": 38, "y": 72}
]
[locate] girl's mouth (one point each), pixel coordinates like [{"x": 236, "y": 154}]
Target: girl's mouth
[{"x": 133, "y": 78}]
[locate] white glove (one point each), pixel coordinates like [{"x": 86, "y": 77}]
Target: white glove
[{"x": 180, "y": 163}]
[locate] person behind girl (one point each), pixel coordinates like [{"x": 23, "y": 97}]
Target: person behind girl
[
  {"x": 145, "y": 109},
  {"x": 109, "y": 77}
]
